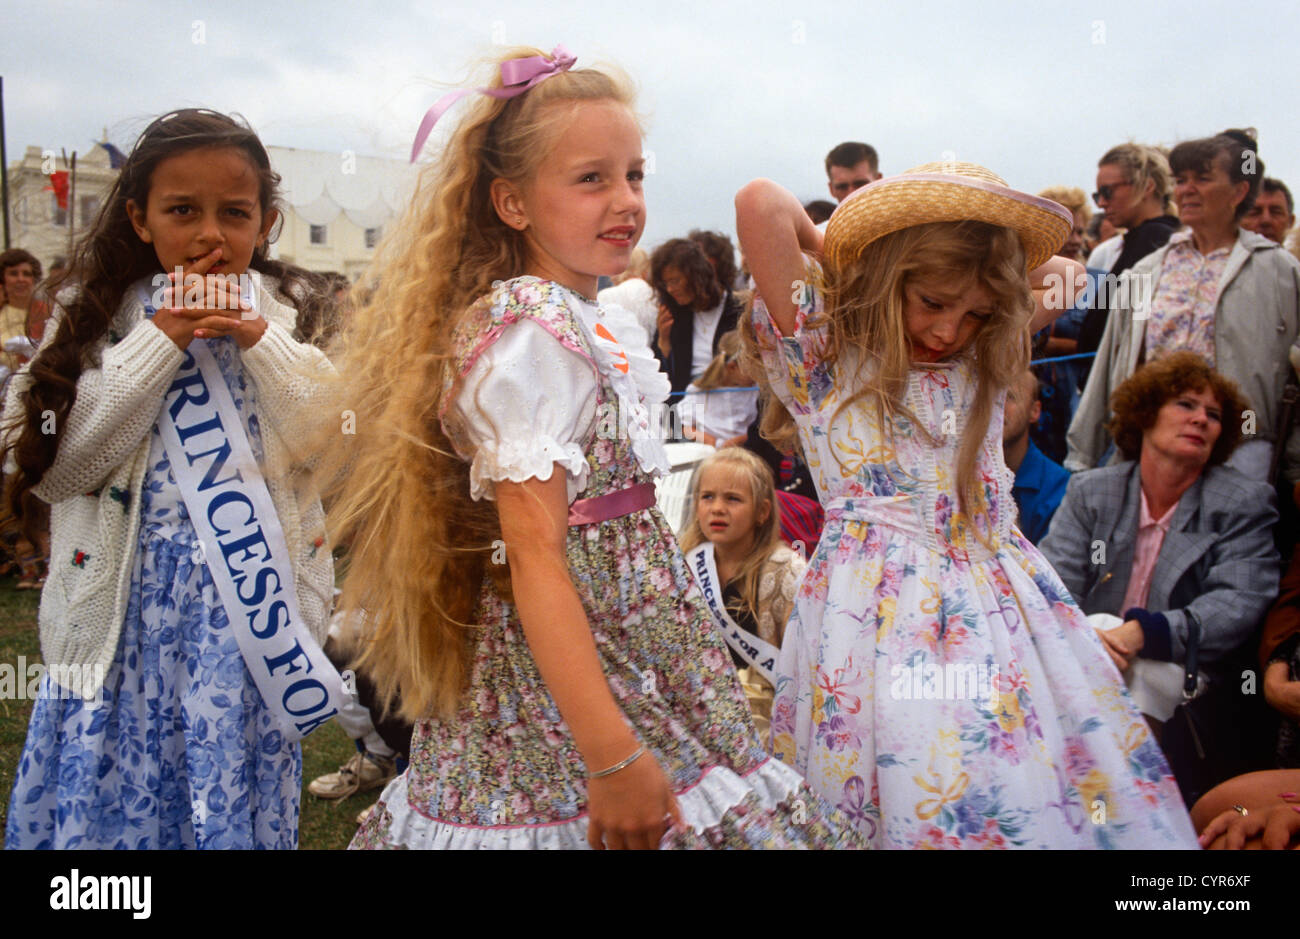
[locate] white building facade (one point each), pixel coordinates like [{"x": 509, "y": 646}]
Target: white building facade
[
  {"x": 337, "y": 206},
  {"x": 36, "y": 222}
]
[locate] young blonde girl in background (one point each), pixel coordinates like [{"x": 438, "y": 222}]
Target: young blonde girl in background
[
  {"x": 523, "y": 594},
  {"x": 720, "y": 405},
  {"x": 936, "y": 680},
  {"x": 748, "y": 577},
  {"x": 150, "y": 731}
]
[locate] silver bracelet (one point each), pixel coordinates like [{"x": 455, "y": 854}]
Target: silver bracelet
[{"x": 621, "y": 765}]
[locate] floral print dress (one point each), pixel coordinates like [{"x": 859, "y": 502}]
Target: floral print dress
[
  {"x": 505, "y": 773},
  {"x": 180, "y": 751},
  {"x": 942, "y": 691}
]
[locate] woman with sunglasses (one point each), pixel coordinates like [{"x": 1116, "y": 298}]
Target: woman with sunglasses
[
  {"x": 1229, "y": 295},
  {"x": 1134, "y": 190}
]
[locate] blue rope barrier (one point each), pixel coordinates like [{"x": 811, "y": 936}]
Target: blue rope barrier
[
  {"x": 1063, "y": 358},
  {"x": 708, "y": 391}
]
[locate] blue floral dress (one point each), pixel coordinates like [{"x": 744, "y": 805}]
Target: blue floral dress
[{"x": 180, "y": 751}]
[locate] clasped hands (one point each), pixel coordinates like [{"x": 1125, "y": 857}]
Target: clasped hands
[{"x": 220, "y": 311}]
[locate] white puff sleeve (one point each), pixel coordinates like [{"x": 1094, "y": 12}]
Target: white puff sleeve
[{"x": 526, "y": 404}]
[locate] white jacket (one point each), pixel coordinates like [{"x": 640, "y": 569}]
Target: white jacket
[{"x": 95, "y": 482}]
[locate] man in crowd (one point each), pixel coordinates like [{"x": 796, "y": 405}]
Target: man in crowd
[
  {"x": 849, "y": 167},
  {"x": 1273, "y": 214},
  {"x": 1040, "y": 482}
]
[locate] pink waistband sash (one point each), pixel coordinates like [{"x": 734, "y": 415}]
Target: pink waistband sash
[{"x": 612, "y": 504}]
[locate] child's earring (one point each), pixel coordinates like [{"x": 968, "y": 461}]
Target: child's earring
[
  {"x": 515, "y": 216},
  {"x": 508, "y": 205}
]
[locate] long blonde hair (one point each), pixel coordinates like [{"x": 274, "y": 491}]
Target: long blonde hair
[
  {"x": 715, "y": 376},
  {"x": 767, "y": 533},
  {"x": 865, "y": 314},
  {"x": 399, "y": 496},
  {"x": 1140, "y": 162}
]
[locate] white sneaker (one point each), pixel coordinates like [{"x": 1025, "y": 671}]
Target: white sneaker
[{"x": 363, "y": 772}]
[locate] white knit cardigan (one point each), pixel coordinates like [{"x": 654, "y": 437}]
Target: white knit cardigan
[{"x": 95, "y": 482}]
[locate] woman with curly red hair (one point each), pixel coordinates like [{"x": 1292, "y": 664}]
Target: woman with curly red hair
[{"x": 1173, "y": 542}]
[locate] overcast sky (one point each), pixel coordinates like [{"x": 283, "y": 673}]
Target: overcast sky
[{"x": 730, "y": 91}]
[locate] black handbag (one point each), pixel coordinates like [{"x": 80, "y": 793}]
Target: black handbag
[{"x": 1219, "y": 734}]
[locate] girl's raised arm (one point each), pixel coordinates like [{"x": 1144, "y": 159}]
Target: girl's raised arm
[
  {"x": 1057, "y": 285},
  {"x": 774, "y": 233},
  {"x": 627, "y": 809}
]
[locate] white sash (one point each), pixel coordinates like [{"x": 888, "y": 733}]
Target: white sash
[
  {"x": 760, "y": 654},
  {"x": 244, "y": 545}
]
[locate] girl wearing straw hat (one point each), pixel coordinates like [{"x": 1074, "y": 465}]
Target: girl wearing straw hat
[{"x": 936, "y": 679}]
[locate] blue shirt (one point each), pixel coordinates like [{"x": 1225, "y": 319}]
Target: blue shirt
[{"x": 1038, "y": 490}]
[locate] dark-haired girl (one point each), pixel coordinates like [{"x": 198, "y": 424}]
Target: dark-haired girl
[
  {"x": 149, "y": 730},
  {"x": 695, "y": 310}
]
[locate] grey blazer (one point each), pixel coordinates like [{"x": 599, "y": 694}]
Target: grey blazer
[{"x": 1217, "y": 563}]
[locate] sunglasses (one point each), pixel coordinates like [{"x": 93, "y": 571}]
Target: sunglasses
[{"x": 1107, "y": 192}]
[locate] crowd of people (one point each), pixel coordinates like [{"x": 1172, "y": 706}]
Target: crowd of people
[
  {"x": 22, "y": 324},
  {"x": 994, "y": 519}
]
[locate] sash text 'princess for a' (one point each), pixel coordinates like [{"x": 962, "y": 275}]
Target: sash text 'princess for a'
[
  {"x": 244, "y": 546},
  {"x": 760, "y": 654}
]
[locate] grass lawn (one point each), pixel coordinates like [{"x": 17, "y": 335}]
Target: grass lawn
[{"x": 324, "y": 825}]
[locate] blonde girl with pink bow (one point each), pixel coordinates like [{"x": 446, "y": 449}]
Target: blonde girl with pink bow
[{"x": 524, "y": 597}]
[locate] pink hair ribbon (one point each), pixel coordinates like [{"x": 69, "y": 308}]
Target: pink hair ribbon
[{"x": 517, "y": 76}]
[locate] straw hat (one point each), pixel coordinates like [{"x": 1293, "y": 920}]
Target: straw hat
[{"x": 945, "y": 192}]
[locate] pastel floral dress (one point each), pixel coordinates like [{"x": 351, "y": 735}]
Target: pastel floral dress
[
  {"x": 1186, "y": 297},
  {"x": 505, "y": 773},
  {"x": 942, "y": 693},
  {"x": 180, "y": 752}
]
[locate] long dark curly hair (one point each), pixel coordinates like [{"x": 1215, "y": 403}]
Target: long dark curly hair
[
  {"x": 689, "y": 258},
  {"x": 109, "y": 259},
  {"x": 721, "y": 253}
]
